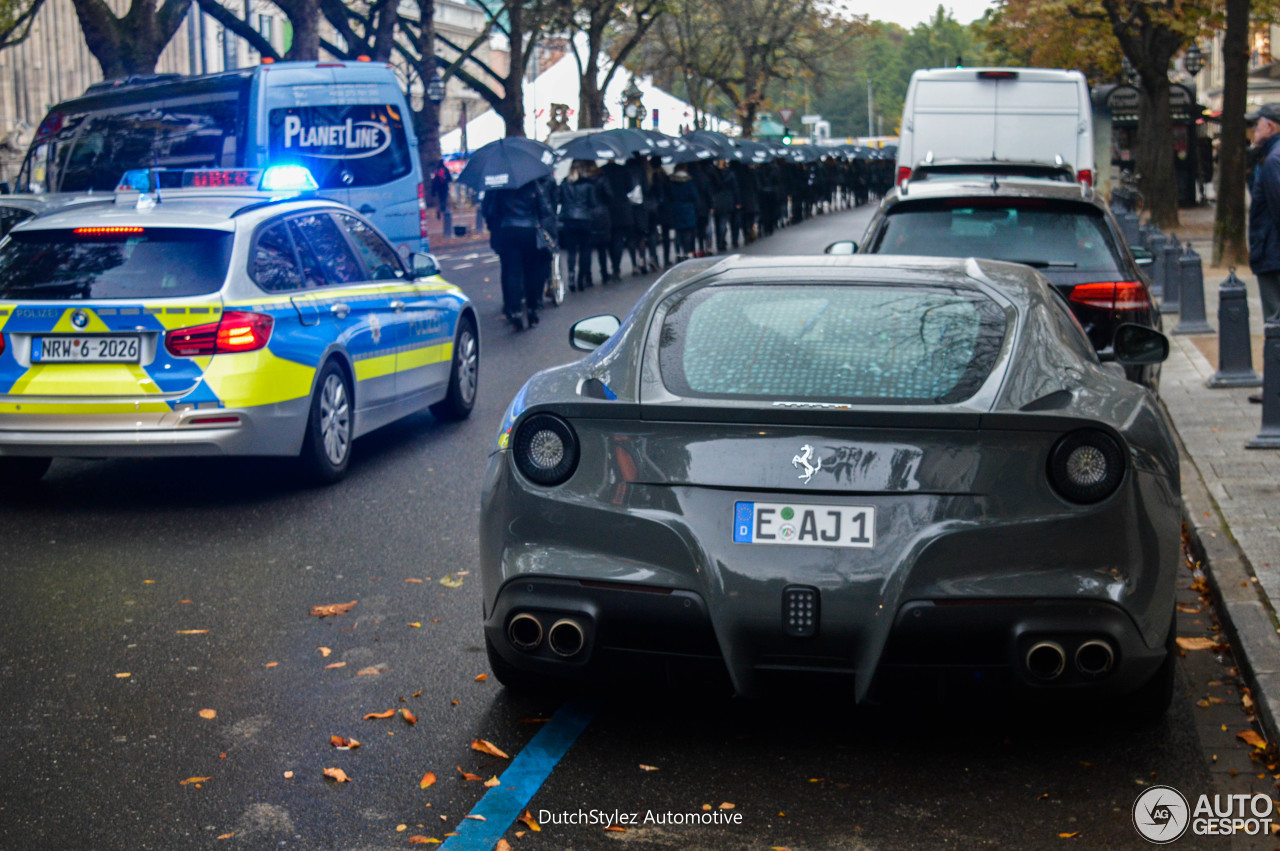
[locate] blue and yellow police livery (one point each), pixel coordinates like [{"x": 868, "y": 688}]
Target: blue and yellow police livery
[{"x": 217, "y": 318}]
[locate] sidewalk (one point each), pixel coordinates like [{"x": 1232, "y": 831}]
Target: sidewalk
[
  {"x": 462, "y": 216},
  {"x": 1232, "y": 507}
]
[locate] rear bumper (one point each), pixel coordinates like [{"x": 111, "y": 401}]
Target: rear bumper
[
  {"x": 651, "y": 624},
  {"x": 263, "y": 430}
]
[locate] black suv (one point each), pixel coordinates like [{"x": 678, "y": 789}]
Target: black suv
[{"x": 1061, "y": 229}]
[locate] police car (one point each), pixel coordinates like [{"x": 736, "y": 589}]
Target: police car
[{"x": 220, "y": 312}]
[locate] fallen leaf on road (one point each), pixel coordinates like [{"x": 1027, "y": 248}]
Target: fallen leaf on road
[
  {"x": 1203, "y": 704},
  {"x": 706, "y": 807},
  {"x": 485, "y": 746},
  {"x": 493, "y": 781},
  {"x": 520, "y": 833},
  {"x": 371, "y": 671},
  {"x": 481, "y": 677},
  {"x": 270, "y": 664},
  {"x": 644, "y": 767},
  {"x": 1190, "y": 611},
  {"x": 418, "y": 581},
  {"x": 467, "y": 775},
  {"x": 324, "y": 651},
  {"x": 409, "y": 716},
  {"x": 332, "y": 609},
  {"x": 1246, "y": 700},
  {"x": 726, "y": 806},
  {"x": 450, "y": 580},
  {"x": 503, "y": 845},
  {"x": 1249, "y": 737},
  {"x": 337, "y": 774},
  {"x": 1068, "y": 835},
  {"x": 423, "y": 840},
  {"x": 476, "y": 817},
  {"x": 190, "y": 631},
  {"x": 386, "y": 714},
  {"x": 335, "y": 665},
  {"x": 288, "y": 775},
  {"x": 416, "y": 625},
  {"x": 1197, "y": 643},
  {"x": 343, "y": 743},
  {"x": 226, "y": 835},
  {"x": 527, "y": 821},
  {"x": 190, "y": 780},
  {"x": 616, "y": 828},
  {"x": 1043, "y": 796},
  {"x": 428, "y": 779}
]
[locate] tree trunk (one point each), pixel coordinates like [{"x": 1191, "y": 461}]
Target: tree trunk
[
  {"x": 591, "y": 106},
  {"x": 512, "y": 107},
  {"x": 1154, "y": 155},
  {"x": 131, "y": 44},
  {"x": 426, "y": 121},
  {"x": 1230, "y": 246},
  {"x": 304, "y": 16}
]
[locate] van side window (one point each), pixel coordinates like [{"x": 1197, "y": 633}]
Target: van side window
[
  {"x": 381, "y": 259},
  {"x": 274, "y": 266},
  {"x": 343, "y": 146},
  {"x": 331, "y": 249}
]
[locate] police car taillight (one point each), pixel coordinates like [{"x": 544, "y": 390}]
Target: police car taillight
[{"x": 236, "y": 331}]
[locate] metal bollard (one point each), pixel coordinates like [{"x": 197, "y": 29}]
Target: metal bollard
[
  {"x": 1128, "y": 222},
  {"x": 1191, "y": 287},
  {"x": 479, "y": 220},
  {"x": 1235, "y": 349},
  {"x": 447, "y": 222},
  {"x": 1172, "y": 300},
  {"x": 1158, "y": 273},
  {"x": 1269, "y": 436},
  {"x": 1145, "y": 233}
]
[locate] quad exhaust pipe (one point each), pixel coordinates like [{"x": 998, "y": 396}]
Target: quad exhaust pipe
[
  {"x": 566, "y": 637},
  {"x": 1046, "y": 660},
  {"x": 524, "y": 631},
  {"x": 1095, "y": 658}
]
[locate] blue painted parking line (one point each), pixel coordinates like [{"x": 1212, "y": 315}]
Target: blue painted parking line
[{"x": 507, "y": 801}]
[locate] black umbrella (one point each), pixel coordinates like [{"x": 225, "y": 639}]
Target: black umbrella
[
  {"x": 718, "y": 142},
  {"x": 751, "y": 151},
  {"x": 661, "y": 142},
  {"x": 507, "y": 164},
  {"x": 685, "y": 151},
  {"x": 631, "y": 141},
  {"x": 595, "y": 146}
]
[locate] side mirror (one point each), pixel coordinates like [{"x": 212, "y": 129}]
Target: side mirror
[
  {"x": 424, "y": 265},
  {"x": 1142, "y": 256},
  {"x": 590, "y": 334},
  {"x": 844, "y": 246},
  {"x": 1138, "y": 345}
]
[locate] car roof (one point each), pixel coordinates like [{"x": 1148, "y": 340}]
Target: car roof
[
  {"x": 979, "y": 187},
  {"x": 177, "y": 209}
]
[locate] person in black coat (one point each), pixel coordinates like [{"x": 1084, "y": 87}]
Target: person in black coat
[
  {"x": 684, "y": 210},
  {"x": 522, "y": 228},
  {"x": 748, "y": 203},
  {"x": 621, "y": 217},
  {"x": 702, "y": 186},
  {"x": 724, "y": 203},
  {"x": 661, "y": 191},
  {"x": 580, "y": 202}
]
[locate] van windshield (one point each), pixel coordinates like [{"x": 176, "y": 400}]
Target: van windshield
[{"x": 88, "y": 149}]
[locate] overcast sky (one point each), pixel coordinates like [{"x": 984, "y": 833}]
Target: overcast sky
[{"x": 908, "y": 13}]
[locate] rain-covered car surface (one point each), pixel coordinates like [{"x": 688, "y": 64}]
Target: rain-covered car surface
[{"x": 844, "y": 466}]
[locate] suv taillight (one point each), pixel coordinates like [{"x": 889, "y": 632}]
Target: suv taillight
[
  {"x": 236, "y": 331},
  {"x": 422, "y": 211},
  {"x": 1112, "y": 295},
  {"x": 1085, "y": 176}
]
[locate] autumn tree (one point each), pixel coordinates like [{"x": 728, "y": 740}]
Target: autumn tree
[
  {"x": 608, "y": 30},
  {"x": 131, "y": 43},
  {"x": 16, "y": 17},
  {"x": 304, "y": 21}
]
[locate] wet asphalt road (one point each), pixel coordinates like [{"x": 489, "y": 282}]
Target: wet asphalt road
[{"x": 138, "y": 593}]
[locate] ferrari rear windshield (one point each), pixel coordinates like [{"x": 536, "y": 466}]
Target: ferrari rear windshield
[
  {"x": 113, "y": 262},
  {"x": 867, "y": 344}
]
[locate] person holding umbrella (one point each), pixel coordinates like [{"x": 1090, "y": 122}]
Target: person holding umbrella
[{"x": 515, "y": 175}]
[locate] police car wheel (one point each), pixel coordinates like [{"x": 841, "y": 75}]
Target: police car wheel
[
  {"x": 326, "y": 450},
  {"x": 464, "y": 375},
  {"x": 22, "y": 470}
]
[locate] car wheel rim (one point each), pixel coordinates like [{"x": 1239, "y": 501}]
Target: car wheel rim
[
  {"x": 468, "y": 366},
  {"x": 335, "y": 420}
]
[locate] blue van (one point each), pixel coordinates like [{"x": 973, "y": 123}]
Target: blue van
[{"x": 347, "y": 122}]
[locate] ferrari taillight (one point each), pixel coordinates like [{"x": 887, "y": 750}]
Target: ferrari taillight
[
  {"x": 1112, "y": 295},
  {"x": 236, "y": 331}
]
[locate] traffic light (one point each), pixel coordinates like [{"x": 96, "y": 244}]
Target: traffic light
[{"x": 786, "y": 135}]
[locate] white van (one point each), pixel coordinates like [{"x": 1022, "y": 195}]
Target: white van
[{"x": 1013, "y": 115}]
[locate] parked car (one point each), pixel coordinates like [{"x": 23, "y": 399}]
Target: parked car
[
  {"x": 1001, "y": 114},
  {"x": 844, "y": 467},
  {"x": 16, "y": 209},
  {"x": 1062, "y": 229},
  {"x": 234, "y": 317},
  {"x": 346, "y": 122}
]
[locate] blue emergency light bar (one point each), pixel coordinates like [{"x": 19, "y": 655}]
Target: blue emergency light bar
[{"x": 276, "y": 178}]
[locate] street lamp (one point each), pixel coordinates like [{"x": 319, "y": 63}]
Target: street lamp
[
  {"x": 435, "y": 88},
  {"x": 1130, "y": 73},
  {"x": 1193, "y": 59},
  {"x": 632, "y": 107}
]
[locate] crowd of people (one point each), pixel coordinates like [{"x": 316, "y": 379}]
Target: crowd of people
[{"x": 656, "y": 215}]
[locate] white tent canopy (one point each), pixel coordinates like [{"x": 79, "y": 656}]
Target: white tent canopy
[{"x": 559, "y": 84}]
